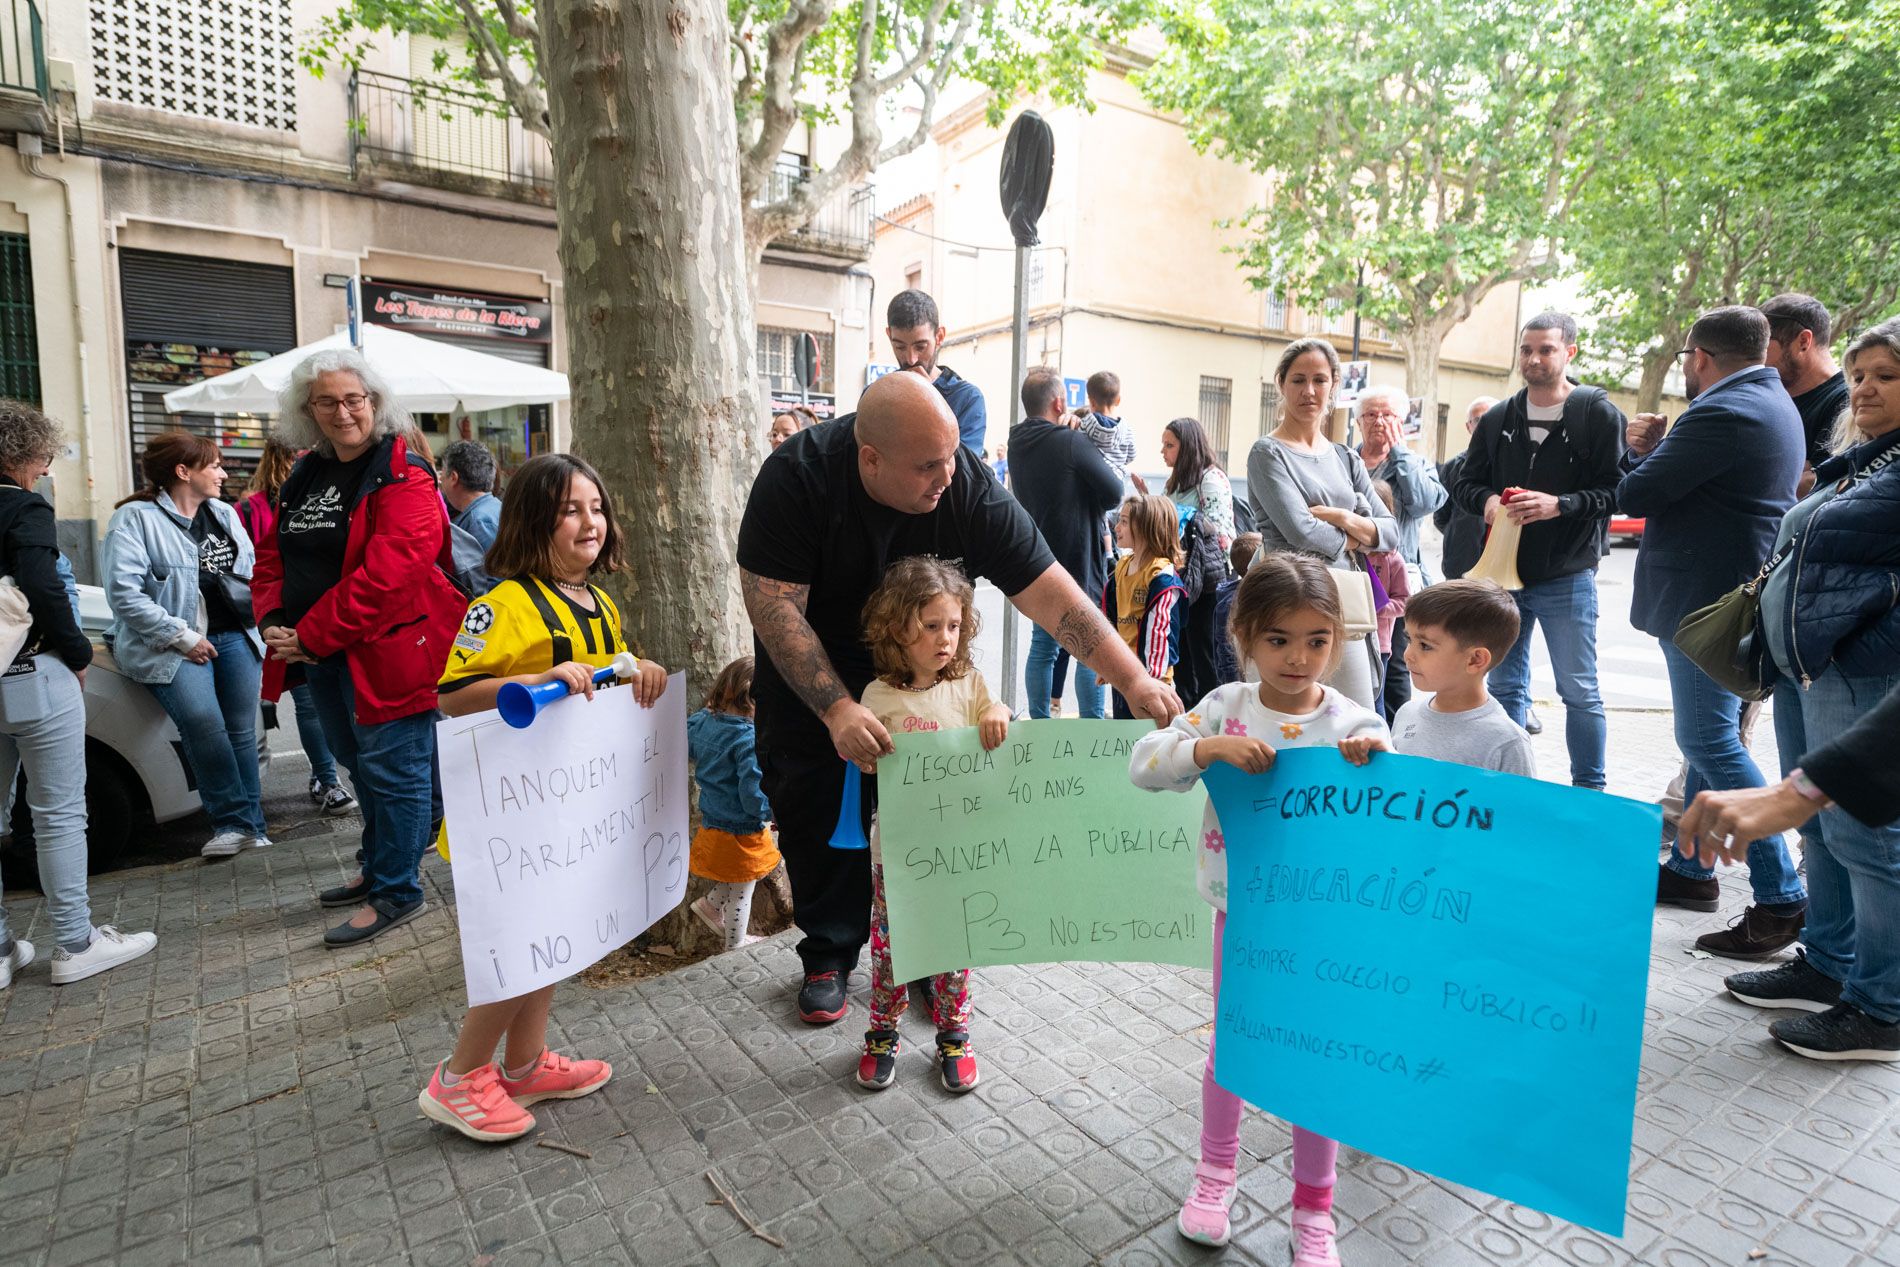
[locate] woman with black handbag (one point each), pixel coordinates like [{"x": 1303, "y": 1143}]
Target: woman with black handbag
[
  {"x": 177, "y": 567},
  {"x": 1832, "y": 632}
]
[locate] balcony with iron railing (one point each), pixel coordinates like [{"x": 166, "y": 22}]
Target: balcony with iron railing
[
  {"x": 842, "y": 225},
  {"x": 414, "y": 132},
  {"x": 23, "y": 91}
]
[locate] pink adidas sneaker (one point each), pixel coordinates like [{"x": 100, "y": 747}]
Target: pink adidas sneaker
[
  {"x": 555, "y": 1077},
  {"x": 476, "y": 1106},
  {"x": 1204, "y": 1219},
  {"x": 1313, "y": 1244}
]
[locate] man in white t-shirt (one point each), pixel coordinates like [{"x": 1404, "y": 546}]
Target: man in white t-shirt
[{"x": 1557, "y": 445}]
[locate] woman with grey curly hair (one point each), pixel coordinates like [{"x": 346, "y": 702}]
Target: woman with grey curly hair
[
  {"x": 353, "y": 596},
  {"x": 43, "y": 712},
  {"x": 372, "y": 411}
]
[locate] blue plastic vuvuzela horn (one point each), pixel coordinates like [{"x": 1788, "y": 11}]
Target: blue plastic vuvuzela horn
[
  {"x": 849, "y": 833},
  {"x": 519, "y": 705}
]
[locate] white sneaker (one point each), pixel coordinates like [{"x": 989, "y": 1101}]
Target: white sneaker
[
  {"x": 259, "y": 841},
  {"x": 22, "y": 956},
  {"x": 224, "y": 844},
  {"x": 109, "y": 949}
]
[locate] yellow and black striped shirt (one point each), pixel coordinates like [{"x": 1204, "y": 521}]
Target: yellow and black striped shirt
[{"x": 510, "y": 631}]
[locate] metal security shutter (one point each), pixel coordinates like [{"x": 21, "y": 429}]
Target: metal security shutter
[
  {"x": 228, "y": 304},
  {"x": 19, "y": 340},
  {"x": 189, "y": 318}
]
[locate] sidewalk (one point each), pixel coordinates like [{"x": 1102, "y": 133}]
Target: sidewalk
[{"x": 247, "y": 1096}]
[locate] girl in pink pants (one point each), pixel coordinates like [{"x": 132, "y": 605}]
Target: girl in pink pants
[{"x": 1285, "y": 620}]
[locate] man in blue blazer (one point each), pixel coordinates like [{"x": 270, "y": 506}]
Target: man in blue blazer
[{"x": 1714, "y": 490}]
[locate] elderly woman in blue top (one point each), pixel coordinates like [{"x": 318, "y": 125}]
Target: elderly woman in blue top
[
  {"x": 177, "y": 570},
  {"x": 1833, "y": 630}
]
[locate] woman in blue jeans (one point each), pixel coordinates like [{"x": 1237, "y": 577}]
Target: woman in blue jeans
[
  {"x": 353, "y": 598},
  {"x": 177, "y": 566},
  {"x": 43, "y": 715},
  {"x": 1832, "y": 626}
]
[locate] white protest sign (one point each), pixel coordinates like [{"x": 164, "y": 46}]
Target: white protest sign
[{"x": 567, "y": 837}]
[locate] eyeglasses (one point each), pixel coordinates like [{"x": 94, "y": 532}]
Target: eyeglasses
[
  {"x": 1691, "y": 351},
  {"x": 330, "y": 404}
]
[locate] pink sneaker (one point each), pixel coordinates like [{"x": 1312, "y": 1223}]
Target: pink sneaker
[
  {"x": 1313, "y": 1244},
  {"x": 555, "y": 1077},
  {"x": 1204, "y": 1214},
  {"x": 476, "y": 1106}
]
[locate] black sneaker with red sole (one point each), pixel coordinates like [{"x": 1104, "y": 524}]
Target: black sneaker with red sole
[
  {"x": 956, "y": 1063},
  {"x": 877, "y": 1067},
  {"x": 821, "y": 1001}
]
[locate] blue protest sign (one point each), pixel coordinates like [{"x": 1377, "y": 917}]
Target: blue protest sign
[{"x": 1442, "y": 966}]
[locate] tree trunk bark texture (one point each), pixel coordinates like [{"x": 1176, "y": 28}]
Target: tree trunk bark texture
[
  {"x": 1422, "y": 347},
  {"x": 659, "y": 316},
  {"x": 1649, "y": 388}
]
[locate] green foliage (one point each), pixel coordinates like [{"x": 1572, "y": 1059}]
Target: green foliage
[
  {"x": 1436, "y": 144},
  {"x": 1013, "y": 44},
  {"x": 345, "y": 37},
  {"x": 1764, "y": 160}
]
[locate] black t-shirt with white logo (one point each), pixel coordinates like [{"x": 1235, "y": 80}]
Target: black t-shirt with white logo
[
  {"x": 810, "y": 522},
  {"x": 314, "y": 532},
  {"x": 217, "y": 557}
]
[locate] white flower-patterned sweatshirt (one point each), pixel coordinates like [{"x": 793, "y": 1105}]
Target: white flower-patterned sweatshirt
[{"x": 1164, "y": 760}]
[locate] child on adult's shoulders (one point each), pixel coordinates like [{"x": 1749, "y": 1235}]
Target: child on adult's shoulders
[{"x": 1459, "y": 630}]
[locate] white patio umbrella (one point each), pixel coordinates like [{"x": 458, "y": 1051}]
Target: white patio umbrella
[{"x": 426, "y": 376}]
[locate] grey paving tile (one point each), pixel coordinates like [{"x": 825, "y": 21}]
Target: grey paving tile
[{"x": 249, "y": 1099}]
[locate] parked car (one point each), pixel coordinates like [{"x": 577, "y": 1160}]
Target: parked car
[
  {"x": 136, "y": 772},
  {"x": 1624, "y": 528}
]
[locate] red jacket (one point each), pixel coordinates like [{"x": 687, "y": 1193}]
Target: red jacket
[{"x": 395, "y": 612}]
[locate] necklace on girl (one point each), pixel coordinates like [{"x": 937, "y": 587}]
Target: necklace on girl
[{"x": 573, "y": 587}]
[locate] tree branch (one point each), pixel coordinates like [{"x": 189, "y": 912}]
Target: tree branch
[
  {"x": 519, "y": 25},
  {"x": 778, "y": 93},
  {"x": 523, "y": 95}
]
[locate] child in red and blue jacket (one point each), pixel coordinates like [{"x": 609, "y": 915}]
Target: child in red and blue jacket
[{"x": 1144, "y": 598}]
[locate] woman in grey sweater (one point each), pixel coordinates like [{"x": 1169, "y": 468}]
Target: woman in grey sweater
[{"x": 1311, "y": 496}]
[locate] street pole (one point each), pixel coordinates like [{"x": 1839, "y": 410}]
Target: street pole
[
  {"x": 1018, "y": 366},
  {"x": 1358, "y": 299},
  {"x": 1028, "y": 161}
]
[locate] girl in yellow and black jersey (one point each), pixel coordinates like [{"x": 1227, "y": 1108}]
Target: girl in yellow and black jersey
[{"x": 547, "y": 623}]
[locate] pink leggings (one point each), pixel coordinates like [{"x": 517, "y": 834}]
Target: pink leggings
[{"x": 1313, "y": 1155}]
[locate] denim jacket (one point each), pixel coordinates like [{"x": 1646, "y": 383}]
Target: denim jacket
[{"x": 151, "y": 575}]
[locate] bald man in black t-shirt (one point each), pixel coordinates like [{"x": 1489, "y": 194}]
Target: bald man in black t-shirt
[{"x": 832, "y": 508}]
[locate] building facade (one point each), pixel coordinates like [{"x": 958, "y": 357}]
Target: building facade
[
  {"x": 1135, "y": 275},
  {"x": 183, "y": 198}
]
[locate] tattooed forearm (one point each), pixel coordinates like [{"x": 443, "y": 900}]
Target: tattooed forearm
[
  {"x": 1081, "y": 630},
  {"x": 777, "y": 610},
  {"x": 1054, "y": 601}
]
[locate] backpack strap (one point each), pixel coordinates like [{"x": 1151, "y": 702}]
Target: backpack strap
[
  {"x": 1575, "y": 405},
  {"x": 557, "y": 632}
]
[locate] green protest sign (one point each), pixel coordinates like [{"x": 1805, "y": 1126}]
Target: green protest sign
[{"x": 1036, "y": 852}]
